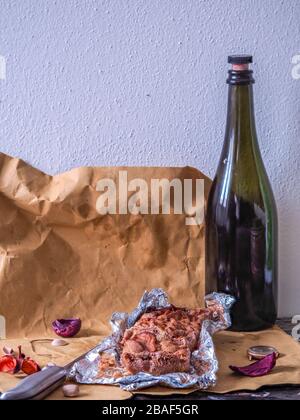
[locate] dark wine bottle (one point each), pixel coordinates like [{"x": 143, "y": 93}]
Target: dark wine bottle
[{"x": 241, "y": 220}]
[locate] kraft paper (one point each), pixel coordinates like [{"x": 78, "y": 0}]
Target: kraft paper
[
  {"x": 60, "y": 258},
  {"x": 231, "y": 350}
]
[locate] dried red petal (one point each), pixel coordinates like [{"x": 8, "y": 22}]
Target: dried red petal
[
  {"x": 12, "y": 363},
  {"x": 29, "y": 366},
  {"x": 67, "y": 327},
  {"x": 260, "y": 368},
  {"x": 21, "y": 355},
  {"x": 9, "y": 364}
]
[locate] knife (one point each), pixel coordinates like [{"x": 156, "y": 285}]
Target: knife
[{"x": 41, "y": 384}]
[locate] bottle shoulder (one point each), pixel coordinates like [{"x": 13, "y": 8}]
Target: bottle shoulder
[{"x": 234, "y": 190}]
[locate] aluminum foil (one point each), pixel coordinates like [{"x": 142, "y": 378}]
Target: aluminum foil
[{"x": 86, "y": 370}]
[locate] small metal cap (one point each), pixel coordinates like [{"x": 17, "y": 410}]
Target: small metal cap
[
  {"x": 259, "y": 352},
  {"x": 240, "y": 59}
]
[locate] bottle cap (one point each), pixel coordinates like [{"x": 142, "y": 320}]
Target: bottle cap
[
  {"x": 240, "y": 63},
  {"x": 259, "y": 352},
  {"x": 240, "y": 59},
  {"x": 240, "y": 74}
]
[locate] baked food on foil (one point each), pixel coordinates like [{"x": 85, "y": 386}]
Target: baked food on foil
[
  {"x": 162, "y": 341},
  {"x": 158, "y": 344}
]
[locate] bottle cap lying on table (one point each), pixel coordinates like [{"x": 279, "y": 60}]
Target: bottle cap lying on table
[{"x": 259, "y": 352}]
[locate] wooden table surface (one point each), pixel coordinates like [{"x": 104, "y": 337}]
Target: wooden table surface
[{"x": 267, "y": 393}]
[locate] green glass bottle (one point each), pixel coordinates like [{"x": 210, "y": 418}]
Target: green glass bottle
[{"x": 241, "y": 220}]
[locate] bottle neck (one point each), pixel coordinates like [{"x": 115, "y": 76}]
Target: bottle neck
[
  {"x": 241, "y": 155},
  {"x": 240, "y": 125}
]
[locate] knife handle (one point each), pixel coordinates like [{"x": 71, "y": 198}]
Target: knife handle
[{"x": 38, "y": 385}]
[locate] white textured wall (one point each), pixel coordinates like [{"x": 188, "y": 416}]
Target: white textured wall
[{"x": 142, "y": 82}]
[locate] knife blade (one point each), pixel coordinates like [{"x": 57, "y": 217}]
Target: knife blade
[{"x": 41, "y": 384}]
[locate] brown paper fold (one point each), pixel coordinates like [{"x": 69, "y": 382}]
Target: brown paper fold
[{"x": 60, "y": 258}]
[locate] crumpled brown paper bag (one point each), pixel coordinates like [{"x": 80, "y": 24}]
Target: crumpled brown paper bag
[{"x": 60, "y": 258}]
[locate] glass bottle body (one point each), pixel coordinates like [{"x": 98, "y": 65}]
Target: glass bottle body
[{"x": 241, "y": 223}]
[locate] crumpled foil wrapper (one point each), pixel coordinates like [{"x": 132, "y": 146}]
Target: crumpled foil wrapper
[{"x": 86, "y": 370}]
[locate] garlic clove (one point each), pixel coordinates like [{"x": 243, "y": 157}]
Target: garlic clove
[
  {"x": 7, "y": 350},
  {"x": 48, "y": 365},
  {"x": 58, "y": 343},
  {"x": 70, "y": 390}
]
